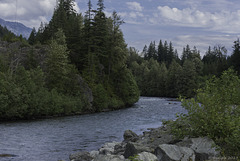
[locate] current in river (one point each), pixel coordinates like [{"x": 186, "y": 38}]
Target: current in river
[{"x": 55, "y": 139}]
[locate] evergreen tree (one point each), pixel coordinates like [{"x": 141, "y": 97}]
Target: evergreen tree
[
  {"x": 160, "y": 52},
  {"x": 101, "y": 35},
  {"x": 173, "y": 84},
  {"x": 163, "y": 73},
  {"x": 118, "y": 48},
  {"x": 151, "y": 52},
  {"x": 58, "y": 65},
  {"x": 170, "y": 54},
  {"x": 88, "y": 42},
  {"x": 188, "y": 79},
  {"x": 32, "y": 37},
  {"x": 235, "y": 57}
]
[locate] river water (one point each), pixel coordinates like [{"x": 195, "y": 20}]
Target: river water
[{"x": 54, "y": 139}]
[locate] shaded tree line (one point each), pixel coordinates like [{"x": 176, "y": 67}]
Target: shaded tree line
[
  {"x": 160, "y": 72},
  {"x": 86, "y": 48},
  {"x": 97, "y": 49}
]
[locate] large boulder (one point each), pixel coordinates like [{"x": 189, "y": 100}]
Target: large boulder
[
  {"x": 167, "y": 152},
  {"x": 94, "y": 153},
  {"x": 119, "y": 149},
  {"x": 80, "y": 156},
  {"x": 156, "y": 136},
  {"x": 130, "y": 136},
  {"x": 203, "y": 148},
  {"x": 145, "y": 156},
  {"x": 135, "y": 148},
  {"x": 108, "y": 148},
  {"x": 109, "y": 158}
]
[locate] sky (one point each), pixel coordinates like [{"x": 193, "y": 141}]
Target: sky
[{"x": 200, "y": 23}]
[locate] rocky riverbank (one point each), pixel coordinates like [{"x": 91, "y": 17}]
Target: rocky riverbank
[{"x": 156, "y": 144}]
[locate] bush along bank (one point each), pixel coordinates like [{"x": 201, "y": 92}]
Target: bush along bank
[{"x": 156, "y": 144}]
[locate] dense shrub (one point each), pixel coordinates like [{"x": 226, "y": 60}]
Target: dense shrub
[
  {"x": 215, "y": 112},
  {"x": 23, "y": 96}
]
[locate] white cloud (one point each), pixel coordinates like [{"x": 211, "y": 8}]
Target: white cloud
[
  {"x": 135, "y": 6},
  {"x": 202, "y": 42},
  {"x": 135, "y": 16},
  {"x": 226, "y": 21},
  {"x": 31, "y": 13}
]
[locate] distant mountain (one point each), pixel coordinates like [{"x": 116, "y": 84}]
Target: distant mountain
[{"x": 16, "y": 27}]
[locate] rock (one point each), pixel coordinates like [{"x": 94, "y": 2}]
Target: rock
[
  {"x": 80, "y": 156},
  {"x": 109, "y": 158},
  {"x": 130, "y": 136},
  {"x": 145, "y": 156},
  {"x": 166, "y": 152},
  {"x": 7, "y": 155},
  {"x": 94, "y": 154},
  {"x": 108, "y": 148},
  {"x": 119, "y": 149},
  {"x": 203, "y": 148},
  {"x": 135, "y": 148},
  {"x": 156, "y": 137}
]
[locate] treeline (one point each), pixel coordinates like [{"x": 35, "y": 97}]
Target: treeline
[
  {"x": 6, "y": 35},
  {"x": 82, "y": 52},
  {"x": 160, "y": 72}
]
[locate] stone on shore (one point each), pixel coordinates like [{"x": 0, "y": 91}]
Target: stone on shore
[
  {"x": 135, "y": 148},
  {"x": 145, "y": 156},
  {"x": 167, "y": 152},
  {"x": 155, "y": 144},
  {"x": 109, "y": 158},
  {"x": 203, "y": 148},
  {"x": 108, "y": 148},
  {"x": 80, "y": 156},
  {"x": 130, "y": 136}
]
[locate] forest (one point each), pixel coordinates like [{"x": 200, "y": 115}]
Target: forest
[
  {"x": 80, "y": 63},
  {"x": 74, "y": 64},
  {"x": 161, "y": 72}
]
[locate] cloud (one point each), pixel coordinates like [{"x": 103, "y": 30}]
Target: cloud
[
  {"x": 135, "y": 6},
  {"x": 202, "y": 42},
  {"x": 224, "y": 21},
  {"x": 31, "y": 13},
  {"x": 135, "y": 15}
]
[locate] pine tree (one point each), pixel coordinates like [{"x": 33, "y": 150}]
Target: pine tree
[
  {"x": 188, "y": 79},
  {"x": 32, "y": 37},
  {"x": 235, "y": 57},
  {"x": 100, "y": 36},
  {"x": 151, "y": 52},
  {"x": 160, "y": 52},
  {"x": 173, "y": 84},
  {"x": 57, "y": 63}
]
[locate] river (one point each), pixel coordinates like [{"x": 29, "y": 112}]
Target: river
[{"x": 56, "y": 138}]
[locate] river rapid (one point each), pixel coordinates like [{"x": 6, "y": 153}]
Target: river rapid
[{"x": 54, "y": 139}]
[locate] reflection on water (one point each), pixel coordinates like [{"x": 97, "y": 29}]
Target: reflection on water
[{"x": 55, "y": 139}]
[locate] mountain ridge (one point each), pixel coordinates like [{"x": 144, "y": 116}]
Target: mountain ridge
[{"x": 16, "y": 27}]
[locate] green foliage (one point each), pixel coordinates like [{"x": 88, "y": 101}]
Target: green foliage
[
  {"x": 24, "y": 96},
  {"x": 134, "y": 158},
  {"x": 100, "y": 95},
  {"x": 32, "y": 37},
  {"x": 214, "y": 113},
  {"x": 174, "y": 79},
  {"x": 57, "y": 63},
  {"x": 126, "y": 87},
  {"x": 36, "y": 84},
  {"x": 188, "y": 79},
  {"x": 235, "y": 57}
]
